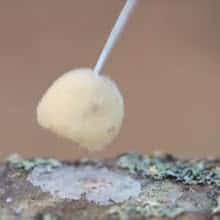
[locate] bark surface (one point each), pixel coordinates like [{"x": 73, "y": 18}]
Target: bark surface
[{"x": 131, "y": 186}]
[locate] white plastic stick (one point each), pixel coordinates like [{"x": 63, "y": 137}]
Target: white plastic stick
[{"x": 115, "y": 34}]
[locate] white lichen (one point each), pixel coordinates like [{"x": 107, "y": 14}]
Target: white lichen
[{"x": 99, "y": 185}]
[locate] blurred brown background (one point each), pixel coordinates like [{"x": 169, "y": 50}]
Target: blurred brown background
[{"x": 167, "y": 65}]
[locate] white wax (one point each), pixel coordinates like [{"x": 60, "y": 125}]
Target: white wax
[{"x": 84, "y": 108}]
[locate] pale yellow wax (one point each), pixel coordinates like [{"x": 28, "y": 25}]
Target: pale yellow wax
[{"x": 84, "y": 108}]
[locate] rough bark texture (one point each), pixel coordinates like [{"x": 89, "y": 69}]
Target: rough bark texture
[{"x": 169, "y": 189}]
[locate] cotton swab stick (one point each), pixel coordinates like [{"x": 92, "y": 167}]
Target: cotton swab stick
[{"x": 115, "y": 34}]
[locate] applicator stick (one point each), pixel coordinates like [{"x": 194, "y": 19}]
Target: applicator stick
[{"x": 115, "y": 34}]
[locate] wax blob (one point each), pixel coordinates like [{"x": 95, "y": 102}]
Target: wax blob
[{"x": 83, "y": 107}]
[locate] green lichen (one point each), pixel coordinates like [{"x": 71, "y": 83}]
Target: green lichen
[
  {"x": 18, "y": 162},
  {"x": 160, "y": 167},
  {"x": 128, "y": 211},
  {"x": 4, "y": 215},
  {"x": 216, "y": 209},
  {"x": 47, "y": 216},
  {"x": 162, "y": 199}
]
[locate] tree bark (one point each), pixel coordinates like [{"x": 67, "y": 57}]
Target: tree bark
[{"x": 24, "y": 193}]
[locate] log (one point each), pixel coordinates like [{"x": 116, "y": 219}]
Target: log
[{"x": 129, "y": 187}]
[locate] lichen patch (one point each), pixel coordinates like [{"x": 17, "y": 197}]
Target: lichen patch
[
  {"x": 99, "y": 185},
  {"x": 160, "y": 167},
  {"x": 163, "y": 199}
]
